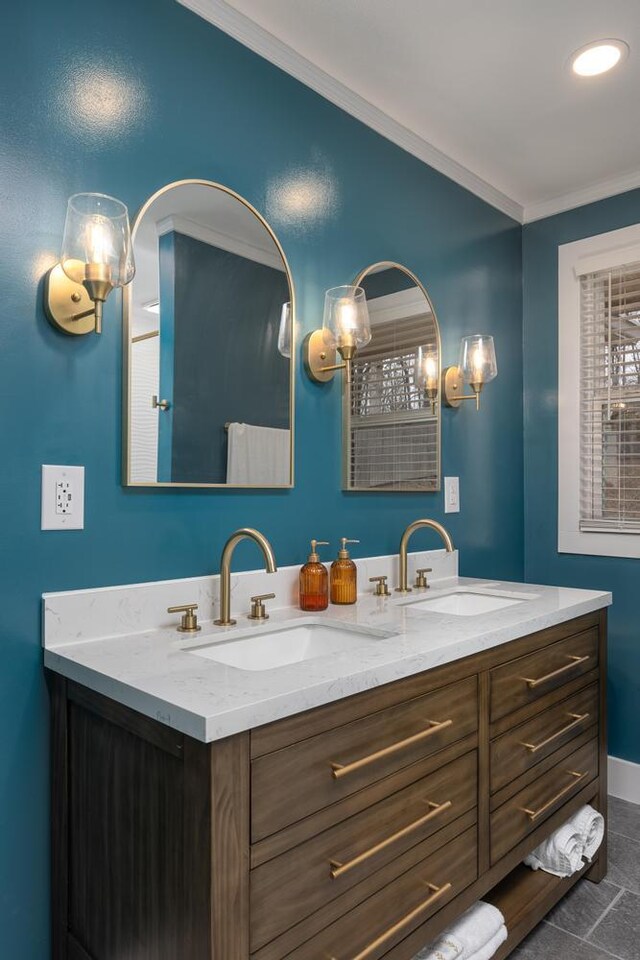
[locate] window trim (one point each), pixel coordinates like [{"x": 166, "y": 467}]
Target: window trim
[{"x": 606, "y": 250}]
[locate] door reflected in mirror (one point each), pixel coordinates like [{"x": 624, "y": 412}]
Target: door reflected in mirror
[
  {"x": 391, "y": 410},
  {"x": 209, "y": 325}
]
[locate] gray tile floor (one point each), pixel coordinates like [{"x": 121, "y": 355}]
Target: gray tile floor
[{"x": 597, "y": 921}]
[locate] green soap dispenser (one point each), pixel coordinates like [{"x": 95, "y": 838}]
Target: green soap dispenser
[{"x": 344, "y": 576}]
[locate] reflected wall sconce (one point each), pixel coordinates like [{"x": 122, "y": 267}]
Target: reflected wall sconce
[
  {"x": 477, "y": 366},
  {"x": 284, "y": 332},
  {"x": 345, "y": 329},
  {"x": 427, "y": 374},
  {"x": 97, "y": 256}
]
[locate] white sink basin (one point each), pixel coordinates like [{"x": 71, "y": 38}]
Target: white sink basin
[
  {"x": 469, "y": 603},
  {"x": 286, "y": 643}
]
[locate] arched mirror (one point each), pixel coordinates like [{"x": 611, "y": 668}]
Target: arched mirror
[
  {"x": 208, "y": 327},
  {"x": 391, "y": 410}
]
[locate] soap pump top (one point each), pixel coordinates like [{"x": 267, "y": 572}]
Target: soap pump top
[
  {"x": 344, "y": 575},
  {"x": 343, "y": 553},
  {"x": 314, "y": 556},
  {"x": 314, "y": 581}
]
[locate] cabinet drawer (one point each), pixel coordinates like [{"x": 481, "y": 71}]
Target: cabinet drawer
[
  {"x": 523, "y": 681},
  {"x": 530, "y": 807},
  {"x": 296, "y": 781},
  {"x": 521, "y": 748},
  {"x": 372, "y": 928},
  {"x": 297, "y": 883}
]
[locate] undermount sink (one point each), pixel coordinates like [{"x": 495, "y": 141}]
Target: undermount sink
[
  {"x": 469, "y": 603},
  {"x": 286, "y": 643}
]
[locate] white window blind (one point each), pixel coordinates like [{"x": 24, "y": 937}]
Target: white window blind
[
  {"x": 394, "y": 435},
  {"x": 610, "y": 400}
]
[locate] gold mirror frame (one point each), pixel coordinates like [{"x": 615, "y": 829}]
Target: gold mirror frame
[
  {"x": 346, "y": 390},
  {"x": 126, "y": 353}
]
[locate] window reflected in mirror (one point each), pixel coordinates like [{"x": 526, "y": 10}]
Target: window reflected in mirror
[
  {"x": 209, "y": 326},
  {"x": 392, "y": 407}
]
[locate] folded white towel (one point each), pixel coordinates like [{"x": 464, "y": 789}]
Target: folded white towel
[
  {"x": 590, "y": 825},
  {"x": 560, "y": 854},
  {"x": 472, "y": 933},
  {"x": 486, "y": 952}
]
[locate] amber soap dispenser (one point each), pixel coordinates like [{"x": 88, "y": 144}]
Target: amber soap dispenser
[
  {"x": 344, "y": 576},
  {"x": 314, "y": 581}
]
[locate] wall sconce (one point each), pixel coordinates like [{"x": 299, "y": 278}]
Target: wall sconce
[
  {"x": 97, "y": 256},
  {"x": 284, "y": 332},
  {"x": 427, "y": 379},
  {"x": 345, "y": 328},
  {"x": 476, "y": 366}
]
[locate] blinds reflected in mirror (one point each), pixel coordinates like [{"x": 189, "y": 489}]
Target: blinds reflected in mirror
[
  {"x": 610, "y": 400},
  {"x": 394, "y": 437}
]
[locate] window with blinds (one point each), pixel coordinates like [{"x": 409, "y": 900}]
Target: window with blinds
[
  {"x": 394, "y": 436},
  {"x": 610, "y": 400}
]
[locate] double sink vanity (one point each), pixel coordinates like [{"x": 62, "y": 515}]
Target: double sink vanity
[{"x": 327, "y": 786}]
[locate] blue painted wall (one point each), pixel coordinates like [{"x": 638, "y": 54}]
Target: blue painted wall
[
  {"x": 167, "y": 289},
  {"x": 125, "y": 97},
  {"x": 543, "y": 563}
]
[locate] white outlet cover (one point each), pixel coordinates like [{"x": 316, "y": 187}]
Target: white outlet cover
[
  {"x": 452, "y": 494},
  {"x": 62, "y": 498}
]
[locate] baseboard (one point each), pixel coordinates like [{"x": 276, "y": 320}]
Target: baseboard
[{"x": 624, "y": 779}]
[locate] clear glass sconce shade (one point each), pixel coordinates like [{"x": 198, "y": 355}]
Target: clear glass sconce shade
[
  {"x": 346, "y": 318},
  {"x": 478, "y": 359},
  {"x": 284, "y": 333},
  {"x": 427, "y": 368},
  {"x": 97, "y": 240}
]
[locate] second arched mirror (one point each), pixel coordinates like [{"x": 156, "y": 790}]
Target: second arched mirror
[{"x": 391, "y": 410}]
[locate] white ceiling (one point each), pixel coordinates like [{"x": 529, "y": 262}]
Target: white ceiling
[{"x": 478, "y": 88}]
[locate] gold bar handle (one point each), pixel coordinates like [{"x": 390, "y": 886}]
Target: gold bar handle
[
  {"x": 342, "y": 769},
  {"x": 371, "y": 948},
  {"x": 534, "y": 814},
  {"x": 338, "y": 868},
  {"x": 576, "y": 720},
  {"x": 575, "y": 662}
]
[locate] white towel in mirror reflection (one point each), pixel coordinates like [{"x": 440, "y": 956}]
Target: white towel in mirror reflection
[{"x": 259, "y": 456}]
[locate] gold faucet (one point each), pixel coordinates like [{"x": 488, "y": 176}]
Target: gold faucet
[
  {"x": 246, "y": 533},
  {"x": 404, "y": 542}
]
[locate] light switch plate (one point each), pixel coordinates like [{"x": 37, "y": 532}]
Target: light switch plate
[
  {"x": 62, "y": 498},
  {"x": 452, "y": 494}
]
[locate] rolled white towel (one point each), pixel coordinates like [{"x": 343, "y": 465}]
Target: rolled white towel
[
  {"x": 486, "y": 952},
  {"x": 470, "y": 934},
  {"x": 560, "y": 854},
  {"x": 590, "y": 825}
]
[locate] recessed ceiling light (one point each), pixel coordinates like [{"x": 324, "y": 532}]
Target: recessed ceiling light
[{"x": 598, "y": 57}]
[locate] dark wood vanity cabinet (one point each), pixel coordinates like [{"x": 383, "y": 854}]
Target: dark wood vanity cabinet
[{"x": 355, "y": 831}]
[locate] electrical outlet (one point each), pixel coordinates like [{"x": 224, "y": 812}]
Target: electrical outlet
[
  {"x": 452, "y": 495},
  {"x": 62, "y": 498}
]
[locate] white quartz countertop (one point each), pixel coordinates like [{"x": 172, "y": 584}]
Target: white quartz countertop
[{"x": 154, "y": 671}]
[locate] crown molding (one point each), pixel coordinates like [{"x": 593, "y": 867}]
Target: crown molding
[
  {"x": 580, "y": 198},
  {"x": 251, "y": 35},
  {"x": 223, "y": 241}
]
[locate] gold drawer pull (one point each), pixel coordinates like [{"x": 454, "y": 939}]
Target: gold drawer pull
[
  {"x": 575, "y": 662},
  {"x": 406, "y": 920},
  {"x": 576, "y": 720},
  {"x": 338, "y": 868},
  {"x": 534, "y": 814},
  {"x": 342, "y": 769}
]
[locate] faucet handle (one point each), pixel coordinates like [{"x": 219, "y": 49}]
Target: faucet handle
[
  {"x": 381, "y": 590},
  {"x": 258, "y": 611},
  {"x": 421, "y": 579},
  {"x": 189, "y": 621}
]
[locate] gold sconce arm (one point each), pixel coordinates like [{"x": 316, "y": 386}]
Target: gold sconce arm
[
  {"x": 320, "y": 359},
  {"x": 453, "y": 388}
]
